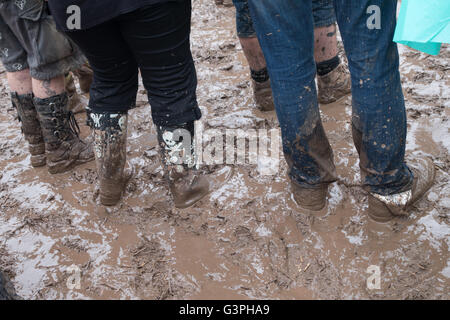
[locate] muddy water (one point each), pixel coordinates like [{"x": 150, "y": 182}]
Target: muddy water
[{"x": 247, "y": 239}]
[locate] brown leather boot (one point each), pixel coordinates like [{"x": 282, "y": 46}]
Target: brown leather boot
[
  {"x": 313, "y": 199},
  {"x": 334, "y": 85},
  {"x": 31, "y": 128},
  {"x": 177, "y": 148},
  {"x": 64, "y": 147},
  {"x": 385, "y": 208},
  {"x": 110, "y": 147},
  {"x": 262, "y": 91}
]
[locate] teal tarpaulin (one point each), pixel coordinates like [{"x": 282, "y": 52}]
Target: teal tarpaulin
[{"x": 424, "y": 24}]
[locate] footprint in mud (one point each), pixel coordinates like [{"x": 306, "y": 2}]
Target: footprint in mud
[
  {"x": 243, "y": 236},
  {"x": 155, "y": 279},
  {"x": 279, "y": 257}
]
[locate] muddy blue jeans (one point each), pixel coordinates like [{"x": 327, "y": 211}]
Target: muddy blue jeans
[
  {"x": 285, "y": 31},
  {"x": 323, "y": 13}
]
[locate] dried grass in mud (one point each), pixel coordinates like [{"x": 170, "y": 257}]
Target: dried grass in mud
[{"x": 245, "y": 240}]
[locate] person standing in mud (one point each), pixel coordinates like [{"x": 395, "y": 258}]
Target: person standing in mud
[
  {"x": 121, "y": 38},
  {"x": 332, "y": 77},
  {"x": 285, "y": 31},
  {"x": 36, "y": 57}
]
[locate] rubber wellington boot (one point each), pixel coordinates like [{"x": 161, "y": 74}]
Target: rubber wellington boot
[
  {"x": 31, "y": 127},
  {"x": 262, "y": 92},
  {"x": 385, "y": 208},
  {"x": 110, "y": 148},
  {"x": 177, "y": 148},
  {"x": 65, "y": 149},
  {"x": 334, "y": 85}
]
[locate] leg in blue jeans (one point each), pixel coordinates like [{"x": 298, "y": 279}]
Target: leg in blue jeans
[
  {"x": 285, "y": 31},
  {"x": 379, "y": 117}
]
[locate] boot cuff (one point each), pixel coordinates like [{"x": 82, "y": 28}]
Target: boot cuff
[{"x": 52, "y": 104}]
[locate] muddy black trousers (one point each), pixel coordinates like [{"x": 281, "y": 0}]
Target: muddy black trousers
[{"x": 155, "y": 41}]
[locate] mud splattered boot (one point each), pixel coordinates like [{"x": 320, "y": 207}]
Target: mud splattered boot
[
  {"x": 177, "y": 148},
  {"x": 385, "y": 208},
  {"x": 31, "y": 128},
  {"x": 310, "y": 199},
  {"x": 85, "y": 77},
  {"x": 334, "y": 85},
  {"x": 262, "y": 91},
  {"x": 110, "y": 148},
  {"x": 77, "y": 102},
  {"x": 64, "y": 147}
]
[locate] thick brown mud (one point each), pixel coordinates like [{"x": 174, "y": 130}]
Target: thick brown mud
[{"x": 247, "y": 239}]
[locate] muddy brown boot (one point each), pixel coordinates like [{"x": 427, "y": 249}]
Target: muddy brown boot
[
  {"x": 313, "y": 199},
  {"x": 77, "y": 102},
  {"x": 385, "y": 208},
  {"x": 85, "y": 77},
  {"x": 31, "y": 128},
  {"x": 334, "y": 85},
  {"x": 69, "y": 84},
  {"x": 262, "y": 91},
  {"x": 110, "y": 147},
  {"x": 177, "y": 148},
  {"x": 64, "y": 147}
]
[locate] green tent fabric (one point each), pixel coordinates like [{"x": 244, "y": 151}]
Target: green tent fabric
[{"x": 424, "y": 24}]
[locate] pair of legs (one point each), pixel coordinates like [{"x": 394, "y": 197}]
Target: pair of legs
[
  {"x": 285, "y": 30},
  {"x": 331, "y": 86},
  {"x": 154, "y": 40},
  {"x": 325, "y": 36},
  {"x": 36, "y": 56}
]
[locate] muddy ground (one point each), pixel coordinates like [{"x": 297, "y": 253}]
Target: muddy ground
[{"x": 247, "y": 239}]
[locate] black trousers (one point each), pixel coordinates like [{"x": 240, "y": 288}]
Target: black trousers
[{"x": 155, "y": 40}]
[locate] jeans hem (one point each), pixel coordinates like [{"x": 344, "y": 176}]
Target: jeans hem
[
  {"x": 247, "y": 34},
  {"x": 324, "y": 23}
]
